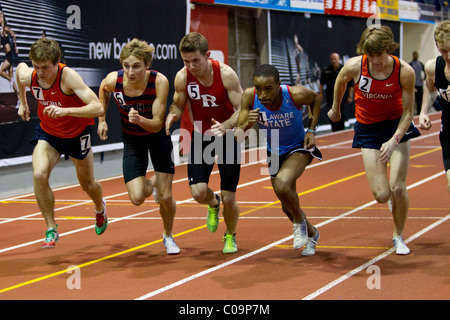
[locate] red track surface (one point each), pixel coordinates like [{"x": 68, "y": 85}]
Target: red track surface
[{"x": 129, "y": 261}]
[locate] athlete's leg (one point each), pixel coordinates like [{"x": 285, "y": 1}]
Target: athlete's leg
[
  {"x": 167, "y": 204},
  {"x": 139, "y": 189},
  {"x": 285, "y": 187},
  {"x": 230, "y": 211},
  {"x": 376, "y": 174},
  {"x": 85, "y": 174},
  {"x": 45, "y": 157},
  {"x": 400, "y": 201}
]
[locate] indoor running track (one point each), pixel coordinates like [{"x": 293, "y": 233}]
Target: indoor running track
[{"x": 354, "y": 259}]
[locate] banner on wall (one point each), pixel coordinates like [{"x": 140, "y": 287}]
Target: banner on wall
[
  {"x": 353, "y": 8},
  {"x": 388, "y": 9},
  {"x": 301, "y": 46},
  {"x": 286, "y": 5},
  {"x": 91, "y": 39}
]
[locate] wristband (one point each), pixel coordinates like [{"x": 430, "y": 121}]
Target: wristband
[
  {"x": 396, "y": 138},
  {"x": 311, "y": 130}
]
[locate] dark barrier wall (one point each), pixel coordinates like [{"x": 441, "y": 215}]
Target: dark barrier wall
[
  {"x": 318, "y": 36},
  {"x": 91, "y": 37}
]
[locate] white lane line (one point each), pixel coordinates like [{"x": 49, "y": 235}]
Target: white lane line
[
  {"x": 250, "y": 254},
  {"x": 374, "y": 260},
  {"x": 147, "y": 211}
]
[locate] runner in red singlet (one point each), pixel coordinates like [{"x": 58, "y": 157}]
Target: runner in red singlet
[
  {"x": 384, "y": 107},
  {"x": 213, "y": 93},
  {"x": 66, "y": 109}
]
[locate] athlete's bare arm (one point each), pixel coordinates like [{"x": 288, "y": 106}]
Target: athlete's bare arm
[
  {"x": 234, "y": 90},
  {"x": 179, "y": 99},
  {"x": 72, "y": 83},
  {"x": 104, "y": 94},
  {"x": 429, "y": 94},
  {"x": 23, "y": 79}
]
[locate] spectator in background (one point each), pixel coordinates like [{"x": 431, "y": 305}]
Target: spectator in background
[
  {"x": 328, "y": 79},
  {"x": 419, "y": 69}
]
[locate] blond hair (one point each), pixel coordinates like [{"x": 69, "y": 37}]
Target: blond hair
[
  {"x": 376, "y": 40},
  {"x": 45, "y": 49},
  {"x": 442, "y": 32},
  {"x": 138, "y": 48}
]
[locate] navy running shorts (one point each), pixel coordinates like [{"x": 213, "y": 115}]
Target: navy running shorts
[
  {"x": 77, "y": 147},
  {"x": 372, "y": 136},
  {"x": 274, "y": 167}
]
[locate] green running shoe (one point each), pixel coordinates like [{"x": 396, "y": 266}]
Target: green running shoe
[
  {"x": 230, "y": 243},
  {"x": 51, "y": 237},
  {"x": 212, "y": 219},
  {"x": 101, "y": 220}
]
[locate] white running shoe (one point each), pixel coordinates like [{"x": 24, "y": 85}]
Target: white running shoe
[
  {"x": 171, "y": 246},
  {"x": 310, "y": 248},
  {"x": 300, "y": 235},
  {"x": 400, "y": 246}
]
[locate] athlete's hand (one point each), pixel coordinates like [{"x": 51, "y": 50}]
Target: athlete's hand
[
  {"x": 309, "y": 141},
  {"x": 171, "y": 118},
  {"x": 387, "y": 148},
  {"x": 334, "y": 115},
  {"x": 424, "y": 122},
  {"x": 55, "y": 112},
  {"x": 217, "y": 128},
  {"x": 134, "y": 117},
  {"x": 102, "y": 130},
  {"x": 253, "y": 116},
  {"x": 24, "y": 112}
]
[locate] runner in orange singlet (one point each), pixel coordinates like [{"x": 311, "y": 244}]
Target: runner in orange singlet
[
  {"x": 66, "y": 109},
  {"x": 384, "y": 107}
]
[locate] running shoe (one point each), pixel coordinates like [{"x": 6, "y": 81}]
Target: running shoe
[
  {"x": 101, "y": 220},
  {"x": 300, "y": 235},
  {"x": 212, "y": 220},
  {"x": 400, "y": 246},
  {"x": 310, "y": 247},
  {"x": 230, "y": 243},
  {"x": 171, "y": 246},
  {"x": 51, "y": 237}
]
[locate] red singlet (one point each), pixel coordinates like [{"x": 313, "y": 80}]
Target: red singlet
[
  {"x": 64, "y": 127},
  {"x": 209, "y": 102}
]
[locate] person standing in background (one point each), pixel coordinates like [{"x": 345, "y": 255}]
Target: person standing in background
[
  {"x": 419, "y": 69},
  {"x": 328, "y": 79}
]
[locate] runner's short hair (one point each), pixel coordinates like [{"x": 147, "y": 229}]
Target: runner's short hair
[
  {"x": 138, "y": 48},
  {"x": 376, "y": 40},
  {"x": 267, "y": 70},
  {"x": 45, "y": 49},
  {"x": 192, "y": 42}
]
